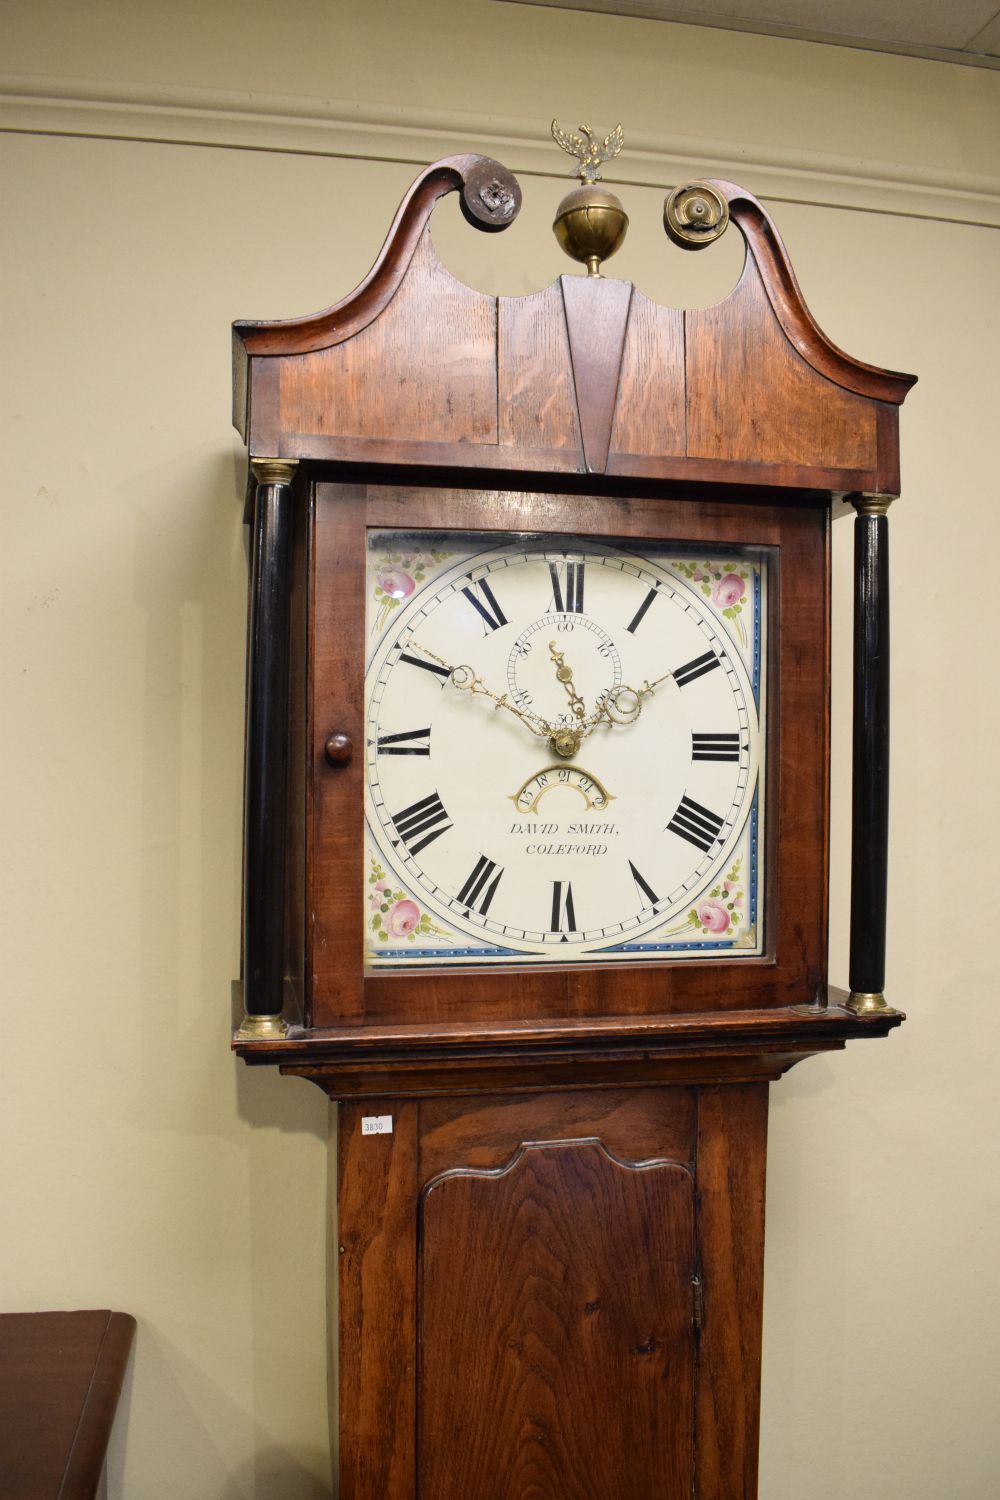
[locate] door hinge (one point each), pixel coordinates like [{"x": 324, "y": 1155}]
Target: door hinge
[{"x": 697, "y": 1302}]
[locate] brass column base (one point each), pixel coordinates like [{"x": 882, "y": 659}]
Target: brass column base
[
  {"x": 261, "y": 1028},
  {"x": 867, "y": 1004}
]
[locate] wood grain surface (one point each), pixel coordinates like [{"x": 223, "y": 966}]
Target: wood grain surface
[
  {"x": 751, "y": 395},
  {"x": 415, "y": 368},
  {"x": 486, "y": 1132},
  {"x": 376, "y": 1246},
  {"x": 536, "y": 395},
  {"x": 597, "y": 312},
  {"x": 376, "y": 383},
  {"x": 557, "y": 1350},
  {"x": 335, "y": 811},
  {"x": 651, "y": 415},
  {"x": 61, "y": 1375},
  {"x": 517, "y": 1309},
  {"x": 732, "y": 1156}
]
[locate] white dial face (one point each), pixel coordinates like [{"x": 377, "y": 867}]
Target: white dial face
[{"x": 564, "y": 751}]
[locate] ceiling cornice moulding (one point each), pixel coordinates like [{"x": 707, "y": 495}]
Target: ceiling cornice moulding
[{"x": 413, "y": 135}]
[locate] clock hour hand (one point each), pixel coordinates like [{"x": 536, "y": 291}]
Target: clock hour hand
[{"x": 465, "y": 679}]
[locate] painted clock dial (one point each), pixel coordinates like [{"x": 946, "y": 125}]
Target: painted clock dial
[{"x": 565, "y": 743}]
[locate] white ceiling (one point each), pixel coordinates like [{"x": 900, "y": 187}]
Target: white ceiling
[{"x": 964, "y": 31}]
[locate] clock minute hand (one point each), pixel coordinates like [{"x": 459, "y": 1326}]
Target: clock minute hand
[{"x": 620, "y": 706}]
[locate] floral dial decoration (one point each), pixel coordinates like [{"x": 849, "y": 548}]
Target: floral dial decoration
[
  {"x": 394, "y": 916},
  {"x": 397, "y": 574},
  {"x": 727, "y": 584},
  {"x": 722, "y": 910}
]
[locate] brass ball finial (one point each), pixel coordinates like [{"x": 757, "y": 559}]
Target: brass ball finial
[
  {"x": 590, "y": 222},
  {"x": 590, "y": 225}
]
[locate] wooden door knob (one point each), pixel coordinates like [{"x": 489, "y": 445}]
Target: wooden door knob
[{"x": 338, "y": 748}]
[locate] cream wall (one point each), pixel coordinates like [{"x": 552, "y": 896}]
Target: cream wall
[{"x": 173, "y": 166}]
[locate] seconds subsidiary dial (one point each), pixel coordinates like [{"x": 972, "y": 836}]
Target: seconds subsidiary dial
[{"x": 564, "y": 749}]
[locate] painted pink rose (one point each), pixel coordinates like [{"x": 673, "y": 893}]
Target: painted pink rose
[
  {"x": 729, "y": 590},
  {"x": 395, "y": 583},
  {"x": 713, "y": 916},
  {"x": 403, "y": 918},
  {"x": 381, "y": 885}
]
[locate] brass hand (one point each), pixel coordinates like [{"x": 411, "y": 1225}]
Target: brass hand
[
  {"x": 564, "y": 675},
  {"x": 464, "y": 678},
  {"x": 619, "y": 706}
]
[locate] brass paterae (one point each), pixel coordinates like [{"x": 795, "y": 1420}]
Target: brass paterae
[{"x": 694, "y": 215}]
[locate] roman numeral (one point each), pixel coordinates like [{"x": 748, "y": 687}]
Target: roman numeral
[
  {"x": 695, "y": 823},
  {"x": 426, "y": 817},
  {"x": 490, "y": 610},
  {"x": 481, "y": 886},
  {"x": 643, "y": 886},
  {"x": 428, "y": 666},
  {"x": 715, "y": 746},
  {"x": 697, "y": 668},
  {"x": 568, "y": 601},
  {"x": 563, "y": 915},
  {"x": 639, "y": 615},
  {"x": 409, "y": 742}
]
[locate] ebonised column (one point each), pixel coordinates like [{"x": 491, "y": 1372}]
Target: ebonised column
[
  {"x": 266, "y": 767},
  {"x": 870, "y": 789}
]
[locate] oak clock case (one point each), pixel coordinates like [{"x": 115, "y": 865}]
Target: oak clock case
[{"x": 536, "y": 838}]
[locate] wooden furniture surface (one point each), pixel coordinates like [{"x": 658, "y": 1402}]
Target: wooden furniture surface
[
  {"x": 583, "y": 409},
  {"x": 61, "y": 1376},
  {"x": 793, "y": 973},
  {"x": 749, "y": 391},
  {"x": 553, "y": 1294}
]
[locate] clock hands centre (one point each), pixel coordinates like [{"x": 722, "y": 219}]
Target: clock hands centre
[{"x": 617, "y": 707}]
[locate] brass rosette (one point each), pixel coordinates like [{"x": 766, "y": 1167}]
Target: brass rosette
[{"x": 695, "y": 215}]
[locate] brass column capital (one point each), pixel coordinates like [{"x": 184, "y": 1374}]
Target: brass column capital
[
  {"x": 274, "y": 470},
  {"x": 873, "y": 504}
]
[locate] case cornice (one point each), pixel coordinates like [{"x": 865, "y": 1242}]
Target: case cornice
[
  {"x": 491, "y": 200},
  {"x": 767, "y": 249}
]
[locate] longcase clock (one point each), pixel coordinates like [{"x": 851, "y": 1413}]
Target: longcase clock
[{"x": 537, "y": 802}]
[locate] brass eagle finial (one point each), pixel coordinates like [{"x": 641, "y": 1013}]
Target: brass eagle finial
[{"x": 589, "y": 152}]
